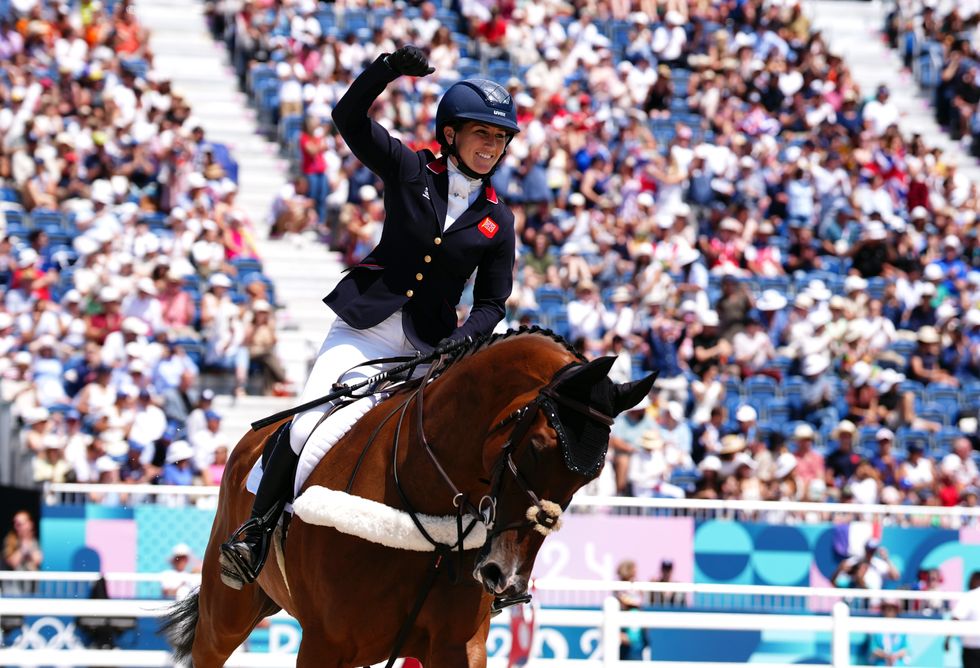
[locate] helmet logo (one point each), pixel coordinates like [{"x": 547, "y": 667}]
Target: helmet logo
[{"x": 498, "y": 113}]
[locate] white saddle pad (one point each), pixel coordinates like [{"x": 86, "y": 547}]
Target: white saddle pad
[{"x": 379, "y": 523}]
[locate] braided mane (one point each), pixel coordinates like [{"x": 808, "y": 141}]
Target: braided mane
[{"x": 490, "y": 339}]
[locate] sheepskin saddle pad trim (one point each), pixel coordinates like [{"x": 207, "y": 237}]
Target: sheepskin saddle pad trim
[{"x": 378, "y": 523}]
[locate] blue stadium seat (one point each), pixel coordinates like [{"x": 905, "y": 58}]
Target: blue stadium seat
[
  {"x": 355, "y": 19},
  {"x": 551, "y": 299},
  {"x": 916, "y": 388},
  {"x": 793, "y": 391},
  {"x": 906, "y": 437},
  {"x": 970, "y": 397},
  {"x": 935, "y": 413},
  {"x": 942, "y": 441},
  {"x": 760, "y": 387},
  {"x": 946, "y": 397},
  {"x": 876, "y": 287},
  {"x": 778, "y": 411}
]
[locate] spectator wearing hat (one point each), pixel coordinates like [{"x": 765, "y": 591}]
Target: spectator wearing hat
[
  {"x": 861, "y": 396},
  {"x": 924, "y": 362},
  {"x": 586, "y": 313},
  {"x": 49, "y": 464},
  {"x": 818, "y": 395},
  {"x": 176, "y": 306},
  {"x": 260, "y": 340},
  {"x": 118, "y": 345},
  {"x": 149, "y": 421},
  {"x": 842, "y": 462},
  {"x": 651, "y": 467},
  {"x": 771, "y": 305},
  {"x": 107, "y": 471},
  {"x": 708, "y": 485},
  {"x": 889, "y": 649},
  {"x": 37, "y": 427},
  {"x": 181, "y": 577},
  {"x": 959, "y": 464},
  {"x": 673, "y": 429},
  {"x": 951, "y": 266},
  {"x": 624, "y": 440},
  {"x": 809, "y": 463},
  {"x": 109, "y": 318},
  {"x": 179, "y": 467},
  {"x": 918, "y": 472},
  {"x": 224, "y": 331},
  {"x": 868, "y": 570},
  {"x": 752, "y": 349},
  {"x": 885, "y": 461},
  {"x": 145, "y": 305},
  {"x": 205, "y": 441},
  {"x": 136, "y": 468}
]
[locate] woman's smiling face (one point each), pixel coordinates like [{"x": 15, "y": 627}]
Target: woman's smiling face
[{"x": 478, "y": 145}]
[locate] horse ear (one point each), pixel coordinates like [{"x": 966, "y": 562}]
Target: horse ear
[
  {"x": 590, "y": 373},
  {"x": 627, "y": 395}
]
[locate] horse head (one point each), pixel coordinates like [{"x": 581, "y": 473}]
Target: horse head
[{"x": 557, "y": 444}]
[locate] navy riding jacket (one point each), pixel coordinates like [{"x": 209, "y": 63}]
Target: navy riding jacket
[{"x": 416, "y": 266}]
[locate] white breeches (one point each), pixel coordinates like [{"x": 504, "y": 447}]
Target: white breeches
[{"x": 343, "y": 347}]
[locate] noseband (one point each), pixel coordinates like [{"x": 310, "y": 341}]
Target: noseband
[{"x": 542, "y": 515}]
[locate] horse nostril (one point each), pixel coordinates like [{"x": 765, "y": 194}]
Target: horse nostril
[{"x": 492, "y": 576}]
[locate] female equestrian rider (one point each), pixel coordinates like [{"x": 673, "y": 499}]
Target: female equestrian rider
[{"x": 443, "y": 221}]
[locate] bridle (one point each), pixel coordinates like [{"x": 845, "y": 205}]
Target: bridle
[{"x": 543, "y": 515}]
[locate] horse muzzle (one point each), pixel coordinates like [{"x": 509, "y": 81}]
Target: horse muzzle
[{"x": 499, "y": 579}]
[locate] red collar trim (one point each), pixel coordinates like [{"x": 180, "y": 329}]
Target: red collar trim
[
  {"x": 437, "y": 166},
  {"x": 491, "y": 195}
]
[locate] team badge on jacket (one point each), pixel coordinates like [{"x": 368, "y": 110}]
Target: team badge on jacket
[{"x": 488, "y": 227}]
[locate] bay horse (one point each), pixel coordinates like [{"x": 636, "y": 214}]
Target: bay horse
[{"x": 518, "y": 422}]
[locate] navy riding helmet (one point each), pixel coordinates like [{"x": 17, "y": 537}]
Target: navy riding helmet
[{"x": 478, "y": 100}]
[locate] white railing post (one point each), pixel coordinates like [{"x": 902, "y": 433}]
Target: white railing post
[
  {"x": 840, "y": 636},
  {"x": 611, "y": 631}
]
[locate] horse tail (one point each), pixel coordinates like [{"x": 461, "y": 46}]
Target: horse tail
[{"x": 179, "y": 623}]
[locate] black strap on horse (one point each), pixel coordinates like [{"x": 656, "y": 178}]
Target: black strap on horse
[{"x": 339, "y": 391}]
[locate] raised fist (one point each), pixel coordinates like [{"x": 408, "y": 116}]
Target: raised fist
[{"x": 409, "y": 60}]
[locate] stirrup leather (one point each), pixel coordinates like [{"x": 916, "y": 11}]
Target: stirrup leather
[{"x": 244, "y": 554}]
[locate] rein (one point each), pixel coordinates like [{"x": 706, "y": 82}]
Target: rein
[{"x": 543, "y": 515}]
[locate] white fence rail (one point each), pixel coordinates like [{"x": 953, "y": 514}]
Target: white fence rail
[
  {"x": 775, "y": 512},
  {"x": 610, "y": 620},
  {"x": 555, "y": 592}
]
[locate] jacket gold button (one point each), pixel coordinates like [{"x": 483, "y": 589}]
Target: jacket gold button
[
  {"x": 427, "y": 259},
  {"x": 437, "y": 240},
  {"x": 418, "y": 277},
  {"x": 409, "y": 293}
]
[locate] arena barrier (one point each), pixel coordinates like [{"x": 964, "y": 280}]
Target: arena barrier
[
  {"x": 701, "y": 509},
  {"x": 608, "y": 622}
]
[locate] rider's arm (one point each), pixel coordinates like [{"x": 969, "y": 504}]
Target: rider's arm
[{"x": 368, "y": 140}]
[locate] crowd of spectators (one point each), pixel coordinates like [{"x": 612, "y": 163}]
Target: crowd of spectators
[
  {"x": 701, "y": 190},
  {"x": 127, "y": 268},
  {"x": 940, "y": 45}
]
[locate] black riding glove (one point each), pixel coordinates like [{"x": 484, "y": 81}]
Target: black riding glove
[
  {"x": 449, "y": 344},
  {"x": 409, "y": 60}
]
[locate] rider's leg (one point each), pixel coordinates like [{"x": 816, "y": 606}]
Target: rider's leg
[{"x": 244, "y": 554}]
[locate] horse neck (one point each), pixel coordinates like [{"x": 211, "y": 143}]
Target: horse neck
[{"x": 462, "y": 407}]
